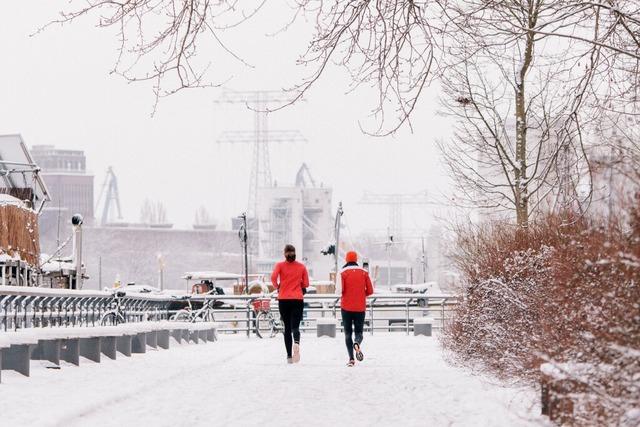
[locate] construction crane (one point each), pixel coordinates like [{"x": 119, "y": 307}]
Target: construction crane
[
  {"x": 260, "y": 102},
  {"x": 395, "y": 202},
  {"x": 304, "y": 178},
  {"x": 111, "y": 196}
]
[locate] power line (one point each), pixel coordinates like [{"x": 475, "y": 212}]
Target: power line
[
  {"x": 396, "y": 202},
  {"x": 259, "y": 102}
]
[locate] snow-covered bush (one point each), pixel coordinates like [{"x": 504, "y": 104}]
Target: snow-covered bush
[{"x": 564, "y": 292}]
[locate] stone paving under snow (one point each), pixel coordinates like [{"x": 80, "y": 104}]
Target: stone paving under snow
[{"x": 403, "y": 381}]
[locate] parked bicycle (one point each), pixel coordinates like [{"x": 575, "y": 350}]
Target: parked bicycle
[
  {"x": 116, "y": 314},
  {"x": 266, "y": 324},
  {"x": 188, "y": 314}
]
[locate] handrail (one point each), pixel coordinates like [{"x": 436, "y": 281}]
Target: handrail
[
  {"x": 24, "y": 307},
  {"x": 35, "y": 291}
]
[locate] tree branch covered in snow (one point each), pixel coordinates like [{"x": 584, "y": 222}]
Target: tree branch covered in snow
[{"x": 395, "y": 46}]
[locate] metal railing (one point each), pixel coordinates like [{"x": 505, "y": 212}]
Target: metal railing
[{"x": 40, "y": 307}]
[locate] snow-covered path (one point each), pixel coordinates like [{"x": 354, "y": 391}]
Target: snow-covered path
[{"x": 239, "y": 381}]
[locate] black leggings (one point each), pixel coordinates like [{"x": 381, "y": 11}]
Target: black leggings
[
  {"x": 291, "y": 314},
  {"x": 352, "y": 320}
]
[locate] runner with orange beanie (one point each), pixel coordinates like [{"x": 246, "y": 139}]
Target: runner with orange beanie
[{"x": 356, "y": 287}]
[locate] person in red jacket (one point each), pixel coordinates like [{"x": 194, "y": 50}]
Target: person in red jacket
[
  {"x": 356, "y": 287},
  {"x": 291, "y": 280}
]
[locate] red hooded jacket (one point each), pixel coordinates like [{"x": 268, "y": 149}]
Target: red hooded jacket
[
  {"x": 293, "y": 277},
  {"x": 356, "y": 287}
]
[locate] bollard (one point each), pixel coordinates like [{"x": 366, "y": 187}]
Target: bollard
[
  {"x": 326, "y": 327},
  {"x": 177, "y": 335},
  {"x": 212, "y": 334},
  {"x": 422, "y": 326},
  {"x": 70, "y": 351},
  {"x": 17, "y": 358},
  {"x": 139, "y": 343},
  {"x": 108, "y": 347},
  {"x": 47, "y": 349},
  {"x": 90, "y": 348},
  {"x": 163, "y": 338},
  {"x": 152, "y": 339},
  {"x": 123, "y": 344}
]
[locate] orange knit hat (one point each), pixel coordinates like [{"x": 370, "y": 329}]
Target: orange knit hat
[{"x": 351, "y": 257}]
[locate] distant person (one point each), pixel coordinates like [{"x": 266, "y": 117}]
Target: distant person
[
  {"x": 291, "y": 280},
  {"x": 356, "y": 287}
]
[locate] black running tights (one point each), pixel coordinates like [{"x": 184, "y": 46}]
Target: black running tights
[
  {"x": 291, "y": 314},
  {"x": 352, "y": 320}
]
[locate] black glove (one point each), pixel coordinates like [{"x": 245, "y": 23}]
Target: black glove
[{"x": 304, "y": 291}]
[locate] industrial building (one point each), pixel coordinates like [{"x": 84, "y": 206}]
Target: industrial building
[
  {"x": 70, "y": 186},
  {"x": 301, "y": 215}
]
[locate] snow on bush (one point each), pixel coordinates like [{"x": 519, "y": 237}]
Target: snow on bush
[{"x": 563, "y": 292}]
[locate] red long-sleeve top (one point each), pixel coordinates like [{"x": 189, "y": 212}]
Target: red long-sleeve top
[
  {"x": 356, "y": 287},
  {"x": 289, "y": 278}
]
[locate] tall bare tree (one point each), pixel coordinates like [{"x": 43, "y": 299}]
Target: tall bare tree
[
  {"x": 400, "y": 46},
  {"x": 518, "y": 100},
  {"x": 391, "y": 44}
]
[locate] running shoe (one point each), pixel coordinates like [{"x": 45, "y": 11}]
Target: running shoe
[
  {"x": 296, "y": 353},
  {"x": 359, "y": 354},
  {"x": 289, "y": 360},
  {"x": 351, "y": 363}
]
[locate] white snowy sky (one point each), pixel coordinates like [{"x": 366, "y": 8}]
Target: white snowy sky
[{"x": 55, "y": 88}]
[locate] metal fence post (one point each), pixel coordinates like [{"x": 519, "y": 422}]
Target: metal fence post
[
  {"x": 249, "y": 318},
  {"x": 407, "y": 307},
  {"x": 24, "y": 306},
  {"x": 371, "y": 303}
]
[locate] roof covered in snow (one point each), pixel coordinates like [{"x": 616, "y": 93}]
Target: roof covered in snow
[
  {"x": 21, "y": 170},
  {"x": 211, "y": 275}
]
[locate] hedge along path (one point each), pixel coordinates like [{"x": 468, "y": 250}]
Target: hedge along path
[{"x": 19, "y": 233}]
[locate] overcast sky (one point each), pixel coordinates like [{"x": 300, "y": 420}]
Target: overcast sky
[{"x": 55, "y": 88}]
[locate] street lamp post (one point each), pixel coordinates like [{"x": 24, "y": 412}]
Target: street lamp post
[
  {"x": 161, "y": 270},
  {"x": 244, "y": 238},
  {"x": 337, "y": 249}
]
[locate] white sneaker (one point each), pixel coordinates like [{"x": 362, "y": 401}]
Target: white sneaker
[
  {"x": 289, "y": 360},
  {"x": 296, "y": 353}
]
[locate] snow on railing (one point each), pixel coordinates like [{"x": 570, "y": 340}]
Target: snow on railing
[{"x": 24, "y": 307}]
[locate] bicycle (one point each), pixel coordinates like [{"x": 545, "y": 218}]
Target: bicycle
[
  {"x": 116, "y": 315},
  {"x": 266, "y": 324},
  {"x": 188, "y": 314}
]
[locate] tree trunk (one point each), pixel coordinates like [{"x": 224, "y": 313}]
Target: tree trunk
[{"x": 521, "y": 190}]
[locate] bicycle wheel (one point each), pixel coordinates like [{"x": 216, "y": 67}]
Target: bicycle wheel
[
  {"x": 182, "y": 316},
  {"x": 111, "y": 318},
  {"x": 276, "y": 326},
  {"x": 263, "y": 324},
  {"x": 153, "y": 316},
  {"x": 209, "y": 317}
]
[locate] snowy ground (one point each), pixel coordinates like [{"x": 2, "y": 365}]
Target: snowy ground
[{"x": 238, "y": 381}]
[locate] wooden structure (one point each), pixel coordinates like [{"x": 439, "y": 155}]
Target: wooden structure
[
  {"x": 19, "y": 233},
  {"x": 22, "y": 196}
]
